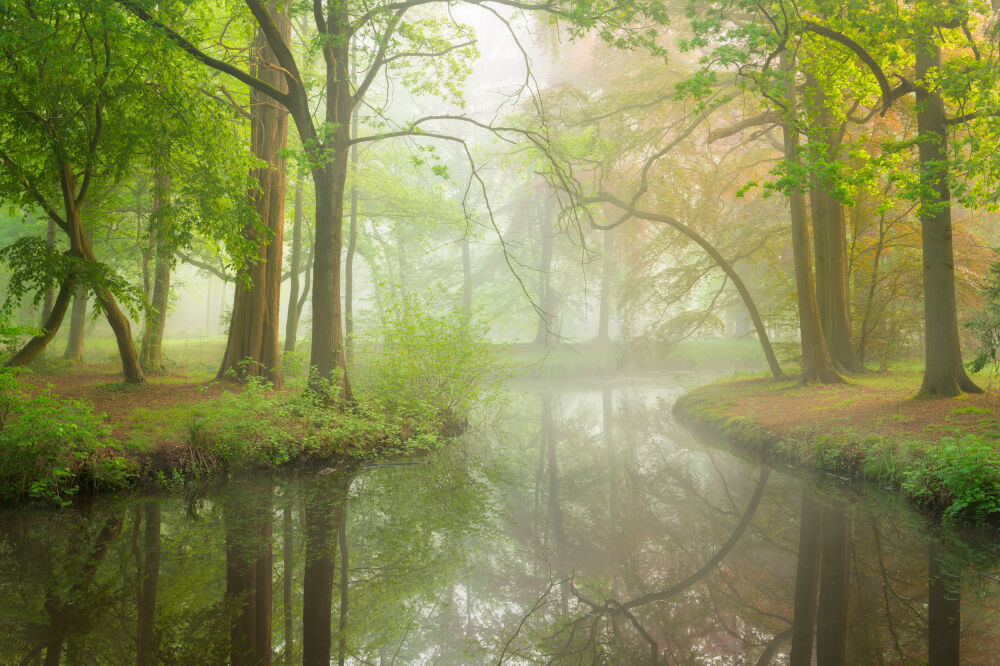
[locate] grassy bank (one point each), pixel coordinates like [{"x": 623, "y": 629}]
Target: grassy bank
[
  {"x": 79, "y": 429},
  {"x": 942, "y": 453}
]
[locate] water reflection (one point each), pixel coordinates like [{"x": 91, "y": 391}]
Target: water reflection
[{"x": 585, "y": 528}]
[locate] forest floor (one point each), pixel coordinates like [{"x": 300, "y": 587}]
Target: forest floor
[
  {"x": 943, "y": 452},
  {"x": 77, "y": 426}
]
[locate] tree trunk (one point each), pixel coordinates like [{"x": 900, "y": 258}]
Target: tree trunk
[
  {"x": 248, "y": 577},
  {"x": 834, "y": 586},
  {"x": 806, "y": 582},
  {"x": 727, "y": 268},
  {"x": 352, "y": 243},
  {"x": 263, "y": 575},
  {"x": 149, "y": 574},
  {"x": 151, "y": 357},
  {"x": 944, "y": 374},
  {"x": 548, "y": 436},
  {"x": 80, "y": 247},
  {"x": 546, "y": 300},
  {"x": 50, "y": 243},
  {"x": 404, "y": 270},
  {"x": 816, "y": 362},
  {"x": 287, "y": 563},
  {"x": 944, "y": 614},
  {"x": 327, "y": 352},
  {"x": 292, "y": 318},
  {"x": 830, "y": 241},
  {"x": 77, "y": 325},
  {"x": 252, "y": 348},
  {"x": 345, "y": 564},
  {"x": 604, "y": 314},
  {"x": 30, "y": 351},
  {"x": 317, "y": 578}
]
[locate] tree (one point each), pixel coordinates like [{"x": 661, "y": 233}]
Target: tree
[
  {"x": 252, "y": 347},
  {"x": 56, "y": 138},
  {"x": 389, "y": 39}
]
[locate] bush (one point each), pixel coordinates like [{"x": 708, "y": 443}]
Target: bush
[
  {"x": 985, "y": 326},
  {"x": 49, "y": 445},
  {"x": 963, "y": 474},
  {"x": 426, "y": 363}
]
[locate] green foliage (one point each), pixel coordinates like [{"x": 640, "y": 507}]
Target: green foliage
[
  {"x": 11, "y": 335},
  {"x": 958, "y": 477},
  {"x": 427, "y": 362},
  {"x": 36, "y": 268},
  {"x": 961, "y": 475},
  {"x": 49, "y": 446},
  {"x": 986, "y": 326}
]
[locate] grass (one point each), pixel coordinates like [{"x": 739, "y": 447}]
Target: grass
[
  {"x": 111, "y": 436},
  {"x": 942, "y": 453}
]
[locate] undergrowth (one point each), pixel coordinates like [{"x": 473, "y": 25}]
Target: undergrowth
[
  {"x": 51, "y": 447},
  {"x": 957, "y": 477},
  {"x": 422, "y": 373}
]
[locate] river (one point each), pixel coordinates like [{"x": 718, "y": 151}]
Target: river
[{"x": 579, "y": 525}]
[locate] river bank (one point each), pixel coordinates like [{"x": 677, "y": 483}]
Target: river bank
[
  {"x": 943, "y": 453},
  {"x": 79, "y": 429}
]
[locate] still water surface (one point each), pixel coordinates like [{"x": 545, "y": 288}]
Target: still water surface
[{"x": 583, "y": 527}]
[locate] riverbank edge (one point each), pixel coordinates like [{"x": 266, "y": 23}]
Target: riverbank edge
[
  {"x": 955, "y": 480},
  {"x": 74, "y": 452}
]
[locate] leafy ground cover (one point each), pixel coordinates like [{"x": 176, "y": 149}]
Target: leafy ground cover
[
  {"x": 66, "y": 427},
  {"x": 944, "y": 453}
]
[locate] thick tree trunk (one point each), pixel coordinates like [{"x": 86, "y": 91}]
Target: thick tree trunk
[
  {"x": 252, "y": 348},
  {"x": 292, "y": 318},
  {"x": 944, "y": 614},
  {"x": 149, "y": 575},
  {"x": 834, "y": 588},
  {"x": 77, "y": 325},
  {"x": 806, "y": 583},
  {"x": 30, "y": 351},
  {"x": 944, "y": 374},
  {"x": 80, "y": 246},
  {"x": 604, "y": 314},
  {"x": 317, "y": 579},
  {"x": 830, "y": 241},
  {"x": 248, "y": 578},
  {"x": 816, "y": 362},
  {"x": 123, "y": 337},
  {"x": 327, "y": 354},
  {"x": 151, "y": 356}
]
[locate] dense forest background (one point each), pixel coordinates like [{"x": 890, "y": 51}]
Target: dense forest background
[{"x": 264, "y": 179}]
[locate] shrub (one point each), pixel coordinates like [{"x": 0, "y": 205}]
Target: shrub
[
  {"x": 427, "y": 363},
  {"x": 963, "y": 474},
  {"x": 49, "y": 445}
]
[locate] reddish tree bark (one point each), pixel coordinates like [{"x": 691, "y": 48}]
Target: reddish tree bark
[{"x": 252, "y": 348}]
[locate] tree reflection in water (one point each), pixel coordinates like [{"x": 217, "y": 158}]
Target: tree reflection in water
[{"x": 585, "y": 528}]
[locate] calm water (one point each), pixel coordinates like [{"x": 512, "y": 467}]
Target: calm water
[{"x": 584, "y": 527}]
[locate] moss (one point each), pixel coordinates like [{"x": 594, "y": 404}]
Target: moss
[{"x": 957, "y": 476}]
